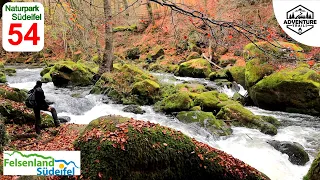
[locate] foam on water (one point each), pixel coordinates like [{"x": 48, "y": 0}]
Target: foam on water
[{"x": 248, "y": 145}]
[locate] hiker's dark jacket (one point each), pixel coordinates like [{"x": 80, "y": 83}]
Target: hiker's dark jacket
[{"x": 40, "y": 98}]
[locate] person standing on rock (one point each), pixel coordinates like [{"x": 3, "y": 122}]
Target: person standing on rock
[{"x": 41, "y": 104}]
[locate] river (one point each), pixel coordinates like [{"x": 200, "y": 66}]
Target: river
[{"x": 248, "y": 145}]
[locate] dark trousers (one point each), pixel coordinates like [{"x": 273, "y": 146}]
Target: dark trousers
[{"x": 37, "y": 114}]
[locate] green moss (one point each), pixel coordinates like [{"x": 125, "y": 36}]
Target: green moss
[
  {"x": 192, "y": 88},
  {"x": 198, "y": 68},
  {"x": 240, "y": 116},
  {"x": 168, "y": 68},
  {"x": 1, "y": 65},
  {"x": 10, "y": 71},
  {"x": 65, "y": 73},
  {"x": 150, "y": 151},
  {"x": 211, "y": 101},
  {"x": 256, "y": 70},
  {"x": 314, "y": 171},
  {"x": 252, "y": 51},
  {"x": 147, "y": 90},
  {"x": 125, "y": 85},
  {"x": 238, "y": 74},
  {"x": 133, "y": 53},
  {"x": 291, "y": 90},
  {"x": 3, "y": 78},
  {"x": 133, "y": 27},
  {"x": 219, "y": 74},
  {"x": 176, "y": 102},
  {"x": 195, "y": 108},
  {"x": 206, "y": 120},
  {"x": 271, "y": 120},
  {"x": 46, "y": 78},
  {"x": 45, "y": 71},
  {"x": 13, "y": 94}
]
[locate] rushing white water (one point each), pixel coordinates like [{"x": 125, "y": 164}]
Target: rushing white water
[{"x": 249, "y": 145}]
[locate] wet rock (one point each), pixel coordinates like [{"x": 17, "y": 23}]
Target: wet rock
[
  {"x": 206, "y": 120},
  {"x": 294, "y": 150},
  {"x": 133, "y": 109},
  {"x": 314, "y": 171},
  {"x": 198, "y": 68},
  {"x": 49, "y": 102},
  {"x": 64, "y": 119}
]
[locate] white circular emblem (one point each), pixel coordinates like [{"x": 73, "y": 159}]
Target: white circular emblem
[{"x": 300, "y": 19}]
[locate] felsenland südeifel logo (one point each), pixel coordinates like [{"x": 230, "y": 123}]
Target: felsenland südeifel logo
[
  {"x": 300, "y": 19},
  {"x": 41, "y": 163}
]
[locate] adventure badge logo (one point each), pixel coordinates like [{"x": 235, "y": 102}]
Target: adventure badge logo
[
  {"x": 41, "y": 163},
  {"x": 300, "y": 19}
]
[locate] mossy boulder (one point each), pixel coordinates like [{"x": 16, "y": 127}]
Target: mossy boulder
[
  {"x": 128, "y": 84},
  {"x": 206, "y": 120},
  {"x": 212, "y": 101},
  {"x": 238, "y": 74},
  {"x": 142, "y": 150},
  {"x": 219, "y": 74},
  {"x": 193, "y": 55},
  {"x": 294, "y": 150},
  {"x": 176, "y": 102},
  {"x": 168, "y": 68},
  {"x": 10, "y": 71},
  {"x": 46, "y": 78},
  {"x": 155, "y": 53},
  {"x": 18, "y": 113},
  {"x": 134, "y": 109},
  {"x": 290, "y": 90},
  {"x": 252, "y": 51},
  {"x": 3, "y": 78},
  {"x": 256, "y": 69},
  {"x": 314, "y": 171},
  {"x": 133, "y": 53},
  {"x": 66, "y": 73},
  {"x": 146, "y": 90},
  {"x": 13, "y": 94},
  {"x": 240, "y": 116},
  {"x": 198, "y": 68},
  {"x": 133, "y": 27}
]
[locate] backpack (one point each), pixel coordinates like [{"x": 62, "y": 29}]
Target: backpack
[{"x": 31, "y": 99}]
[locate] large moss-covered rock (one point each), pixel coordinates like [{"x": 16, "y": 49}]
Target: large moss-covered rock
[
  {"x": 133, "y": 53},
  {"x": 168, "y": 68},
  {"x": 206, "y": 120},
  {"x": 219, "y": 74},
  {"x": 212, "y": 101},
  {"x": 143, "y": 150},
  {"x": 252, "y": 51},
  {"x": 128, "y": 84},
  {"x": 294, "y": 150},
  {"x": 18, "y": 113},
  {"x": 240, "y": 116},
  {"x": 132, "y": 27},
  {"x": 238, "y": 74},
  {"x": 155, "y": 53},
  {"x": 314, "y": 171},
  {"x": 256, "y": 69},
  {"x": 198, "y": 68},
  {"x": 13, "y": 94},
  {"x": 176, "y": 102},
  {"x": 291, "y": 90},
  {"x": 65, "y": 73},
  {"x": 146, "y": 90}
]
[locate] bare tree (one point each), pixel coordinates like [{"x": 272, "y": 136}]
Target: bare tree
[
  {"x": 149, "y": 8},
  {"x": 107, "y": 61}
]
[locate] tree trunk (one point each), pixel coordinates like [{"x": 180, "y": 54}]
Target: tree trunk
[
  {"x": 149, "y": 8},
  {"x": 107, "y": 61},
  {"x": 125, "y": 3}
]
